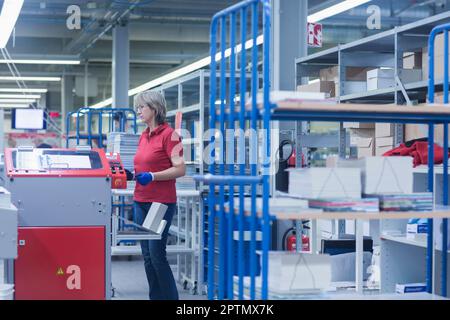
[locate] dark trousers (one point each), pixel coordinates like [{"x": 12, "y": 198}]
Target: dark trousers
[{"x": 159, "y": 275}]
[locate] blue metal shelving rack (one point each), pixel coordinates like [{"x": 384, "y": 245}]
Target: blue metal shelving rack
[
  {"x": 225, "y": 209},
  {"x": 90, "y": 113}
]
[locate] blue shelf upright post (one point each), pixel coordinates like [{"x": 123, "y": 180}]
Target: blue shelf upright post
[
  {"x": 445, "y": 173},
  {"x": 241, "y": 156},
  {"x": 227, "y": 180},
  {"x": 211, "y": 157},
  {"x": 430, "y": 245}
]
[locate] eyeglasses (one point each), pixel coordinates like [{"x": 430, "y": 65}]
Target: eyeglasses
[{"x": 139, "y": 108}]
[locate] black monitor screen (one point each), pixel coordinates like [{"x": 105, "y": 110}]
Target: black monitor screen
[{"x": 340, "y": 246}]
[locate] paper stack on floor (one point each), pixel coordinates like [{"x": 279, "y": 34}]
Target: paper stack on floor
[{"x": 317, "y": 183}]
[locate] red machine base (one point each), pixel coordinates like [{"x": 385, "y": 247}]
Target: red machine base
[{"x": 60, "y": 263}]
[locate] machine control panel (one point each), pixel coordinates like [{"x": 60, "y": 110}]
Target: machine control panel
[{"x": 118, "y": 174}]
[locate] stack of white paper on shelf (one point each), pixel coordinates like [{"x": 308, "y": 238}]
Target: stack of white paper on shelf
[
  {"x": 383, "y": 175},
  {"x": 317, "y": 183},
  {"x": 276, "y": 205},
  {"x": 276, "y": 96},
  {"x": 124, "y": 144},
  {"x": 344, "y": 205},
  {"x": 419, "y": 201},
  {"x": 5, "y": 198}
]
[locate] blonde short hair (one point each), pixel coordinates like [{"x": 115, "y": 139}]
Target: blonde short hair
[{"x": 154, "y": 100}]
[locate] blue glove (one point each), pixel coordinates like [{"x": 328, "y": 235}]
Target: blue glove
[{"x": 145, "y": 178}]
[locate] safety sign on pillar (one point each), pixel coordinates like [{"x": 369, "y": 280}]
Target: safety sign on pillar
[{"x": 314, "y": 34}]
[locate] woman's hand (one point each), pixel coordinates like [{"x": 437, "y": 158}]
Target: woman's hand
[{"x": 145, "y": 178}]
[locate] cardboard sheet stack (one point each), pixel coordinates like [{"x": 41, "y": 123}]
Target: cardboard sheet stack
[
  {"x": 383, "y": 175},
  {"x": 390, "y": 179},
  {"x": 420, "y": 201},
  {"x": 124, "y": 144},
  {"x": 292, "y": 273},
  {"x": 336, "y": 205},
  {"x": 323, "y": 183}
]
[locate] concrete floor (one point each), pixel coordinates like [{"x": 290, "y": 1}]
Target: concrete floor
[{"x": 130, "y": 282}]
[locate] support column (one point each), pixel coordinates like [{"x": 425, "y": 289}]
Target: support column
[
  {"x": 120, "y": 67},
  {"x": 289, "y": 40},
  {"x": 67, "y": 103},
  {"x": 289, "y": 19}
]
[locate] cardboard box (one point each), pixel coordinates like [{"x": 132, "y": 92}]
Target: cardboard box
[
  {"x": 417, "y": 228},
  {"x": 319, "y": 183},
  {"x": 410, "y": 288},
  {"x": 410, "y": 75},
  {"x": 364, "y": 140},
  {"x": 384, "y": 130},
  {"x": 417, "y": 131},
  {"x": 380, "y": 78},
  {"x": 383, "y": 174},
  {"x": 349, "y": 87},
  {"x": 383, "y": 144},
  {"x": 351, "y": 74},
  {"x": 319, "y": 86},
  {"x": 438, "y": 60},
  {"x": 412, "y": 60}
]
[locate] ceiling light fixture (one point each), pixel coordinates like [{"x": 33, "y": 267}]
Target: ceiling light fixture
[
  {"x": 3, "y": 101},
  {"x": 336, "y": 9},
  {"x": 9, "y": 78},
  {"x": 180, "y": 72},
  {"x": 8, "y": 18},
  {"x": 29, "y": 61},
  {"x": 326, "y": 13},
  {"x": 19, "y": 96},
  {"x": 24, "y": 90},
  {"x": 14, "y": 106}
]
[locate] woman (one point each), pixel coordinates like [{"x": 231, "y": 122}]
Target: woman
[{"x": 158, "y": 162}]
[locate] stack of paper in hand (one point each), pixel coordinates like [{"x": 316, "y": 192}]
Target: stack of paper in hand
[
  {"x": 124, "y": 144},
  {"x": 381, "y": 175},
  {"x": 316, "y": 183}
]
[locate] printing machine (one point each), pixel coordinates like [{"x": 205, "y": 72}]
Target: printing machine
[{"x": 63, "y": 197}]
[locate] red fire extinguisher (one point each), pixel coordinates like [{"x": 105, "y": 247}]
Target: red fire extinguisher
[
  {"x": 290, "y": 241},
  {"x": 292, "y": 160}
]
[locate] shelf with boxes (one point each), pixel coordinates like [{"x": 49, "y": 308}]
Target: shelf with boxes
[
  {"x": 366, "y": 70},
  {"x": 287, "y": 110}
]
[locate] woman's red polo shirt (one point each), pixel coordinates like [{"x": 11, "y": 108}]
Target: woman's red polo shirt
[{"x": 153, "y": 155}]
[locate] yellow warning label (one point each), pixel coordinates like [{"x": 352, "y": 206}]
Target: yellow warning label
[{"x": 60, "y": 272}]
